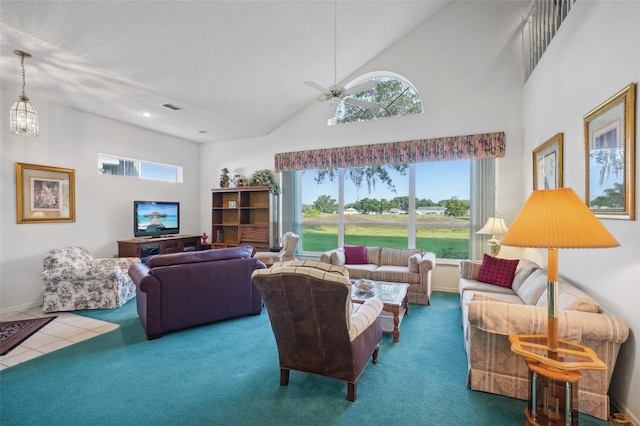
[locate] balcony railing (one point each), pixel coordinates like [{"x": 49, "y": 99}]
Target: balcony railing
[{"x": 542, "y": 24}]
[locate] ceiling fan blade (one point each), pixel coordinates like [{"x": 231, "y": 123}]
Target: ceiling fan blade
[
  {"x": 362, "y": 104},
  {"x": 362, "y": 87},
  {"x": 316, "y": 86}
]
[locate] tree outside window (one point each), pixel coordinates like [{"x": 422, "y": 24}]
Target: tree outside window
[
  {"x": 395, "y": 97},
  {"x": 377, "y": 207}
]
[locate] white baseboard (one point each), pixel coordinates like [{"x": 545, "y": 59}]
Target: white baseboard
[
  {"x": 444, "y": 289},
  {"x": 12, "y": 309}
]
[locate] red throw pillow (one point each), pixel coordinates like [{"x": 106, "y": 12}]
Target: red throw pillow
[
  {"x": 355, "y": 255},
  {"x": 497, "y": 271}
]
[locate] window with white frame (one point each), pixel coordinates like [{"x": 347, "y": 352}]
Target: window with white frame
[
  {"x": 422, "y": 205},
  {"x": 122, "y": 166},
  {"x": 394, "y": 95},
  {"x": 429, "y": 166}
]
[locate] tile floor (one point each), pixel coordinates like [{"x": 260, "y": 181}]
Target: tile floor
[{"x": 65, "y": 330}]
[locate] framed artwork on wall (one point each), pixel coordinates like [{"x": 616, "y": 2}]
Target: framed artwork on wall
[
  {"x": 547, "y": 164},
  {"x": 44, "y": 194},
  {"x": 609, "y": 132}
]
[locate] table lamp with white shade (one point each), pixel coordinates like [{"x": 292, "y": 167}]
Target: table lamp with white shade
[{"x": 494, "y": 226}]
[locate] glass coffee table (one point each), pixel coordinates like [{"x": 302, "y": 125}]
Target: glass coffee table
[{"x": 395, "y": 306}]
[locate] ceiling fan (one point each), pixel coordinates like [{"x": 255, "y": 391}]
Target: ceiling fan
[{"x": 335, "y": 93}]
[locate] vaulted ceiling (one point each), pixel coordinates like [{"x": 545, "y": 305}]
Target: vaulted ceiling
[{"x": 235, "y": 67}]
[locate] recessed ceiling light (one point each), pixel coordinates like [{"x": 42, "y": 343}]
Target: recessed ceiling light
[{"x": 146, "y": 114}]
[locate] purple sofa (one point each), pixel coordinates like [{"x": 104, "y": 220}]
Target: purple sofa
[{"x": 183, "y": 290}]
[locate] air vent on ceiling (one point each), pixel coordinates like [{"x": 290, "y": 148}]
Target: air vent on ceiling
[{"x": 173, "y": 107}]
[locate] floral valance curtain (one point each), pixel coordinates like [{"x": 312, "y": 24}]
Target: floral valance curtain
[{"x": 482, "y": 146}]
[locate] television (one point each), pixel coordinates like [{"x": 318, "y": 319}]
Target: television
[{"x": 156, "y": 218}]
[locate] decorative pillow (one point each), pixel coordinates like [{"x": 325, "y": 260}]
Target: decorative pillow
[
  {"x": 356, "y": 255},
  {"x": 414, "y": 259},
  {"x": 469, "y": 269},
  {"x": 533, "y": 287},
  {"x": 497, "y": 271},
  {"x": 338, "y": 257},
  {"x": 570, "y": 298},
  {"x": 525, "y": 268}
]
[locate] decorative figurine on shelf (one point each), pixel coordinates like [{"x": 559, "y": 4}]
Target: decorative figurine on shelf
[
  {"x": 224, "y": 178},
  {"x": 239, "y": 180},
  {"x": 204, "y": 238}
]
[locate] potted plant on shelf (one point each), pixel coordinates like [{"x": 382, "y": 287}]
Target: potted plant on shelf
[{"x": 264, "y": 177}]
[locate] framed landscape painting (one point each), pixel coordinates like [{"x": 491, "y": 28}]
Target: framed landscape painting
[
  {"x": 44, "y": 194},
  {"x": 547, "y": 164},
  {"x": 609, "y": 132}
]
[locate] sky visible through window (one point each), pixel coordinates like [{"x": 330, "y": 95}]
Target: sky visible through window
[
  {"x": 437, "y": 180},
  {"x": 157, "y": 172},
  {"x": 109, "y": 164}
]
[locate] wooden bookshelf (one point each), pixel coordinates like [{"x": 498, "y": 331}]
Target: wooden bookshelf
[{"x": 244, "y": 216}]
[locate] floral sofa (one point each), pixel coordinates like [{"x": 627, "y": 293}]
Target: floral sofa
[
  {"x": 411, "y": 266},
  {"x": 75, "y": 280},
  {"x": 491, "y": 312}
]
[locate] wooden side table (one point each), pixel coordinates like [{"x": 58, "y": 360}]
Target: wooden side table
[
  {"x": 549, "y": 401},
  {"x": 553, "y": 397}
]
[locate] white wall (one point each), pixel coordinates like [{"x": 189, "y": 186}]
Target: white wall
[
  {"x": 465, "y": 64},
  {"x": 594, "y": 55},
  {"x": 104, "y": 204}
]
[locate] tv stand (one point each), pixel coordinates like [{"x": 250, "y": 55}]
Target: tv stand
[{"x": 144, "y": 247}]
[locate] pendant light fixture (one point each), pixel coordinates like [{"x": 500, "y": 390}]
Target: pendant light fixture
[{"x": 23, "y": 118}]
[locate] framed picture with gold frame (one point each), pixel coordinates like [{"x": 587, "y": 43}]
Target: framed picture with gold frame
[
  {"x": 547, "y": 164},
  {"x": 609, "y": 133},
  {"x": 45, "y": 194}
]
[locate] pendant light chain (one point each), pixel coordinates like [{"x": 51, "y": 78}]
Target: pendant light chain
[{"x": 23, "y": 76}]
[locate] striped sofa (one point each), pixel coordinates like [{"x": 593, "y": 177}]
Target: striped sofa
[
  {"x": 490, "y": 313},
  {"x": 411, "y": 266}
]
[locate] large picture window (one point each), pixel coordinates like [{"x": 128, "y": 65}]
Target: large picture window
[
  {"x": 466, "y": 208},
  {"x": 422, "y": 205}
]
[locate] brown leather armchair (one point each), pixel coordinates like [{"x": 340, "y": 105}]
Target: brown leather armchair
[{"x": 316, "y": 328}]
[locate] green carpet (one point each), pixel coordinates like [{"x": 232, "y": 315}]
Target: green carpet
[{"x": 227, "y": 373}]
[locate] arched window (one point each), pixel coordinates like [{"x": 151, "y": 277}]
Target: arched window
[{"x": 394, "y": 94}]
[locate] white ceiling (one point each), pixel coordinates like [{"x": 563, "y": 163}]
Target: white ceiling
[{"x": 236, "y": 67}]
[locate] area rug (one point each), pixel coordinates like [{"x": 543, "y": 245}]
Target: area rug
[{"x": 12, "y": 333}]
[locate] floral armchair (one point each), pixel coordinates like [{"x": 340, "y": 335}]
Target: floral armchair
[{"x": 74, "y": 280}]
